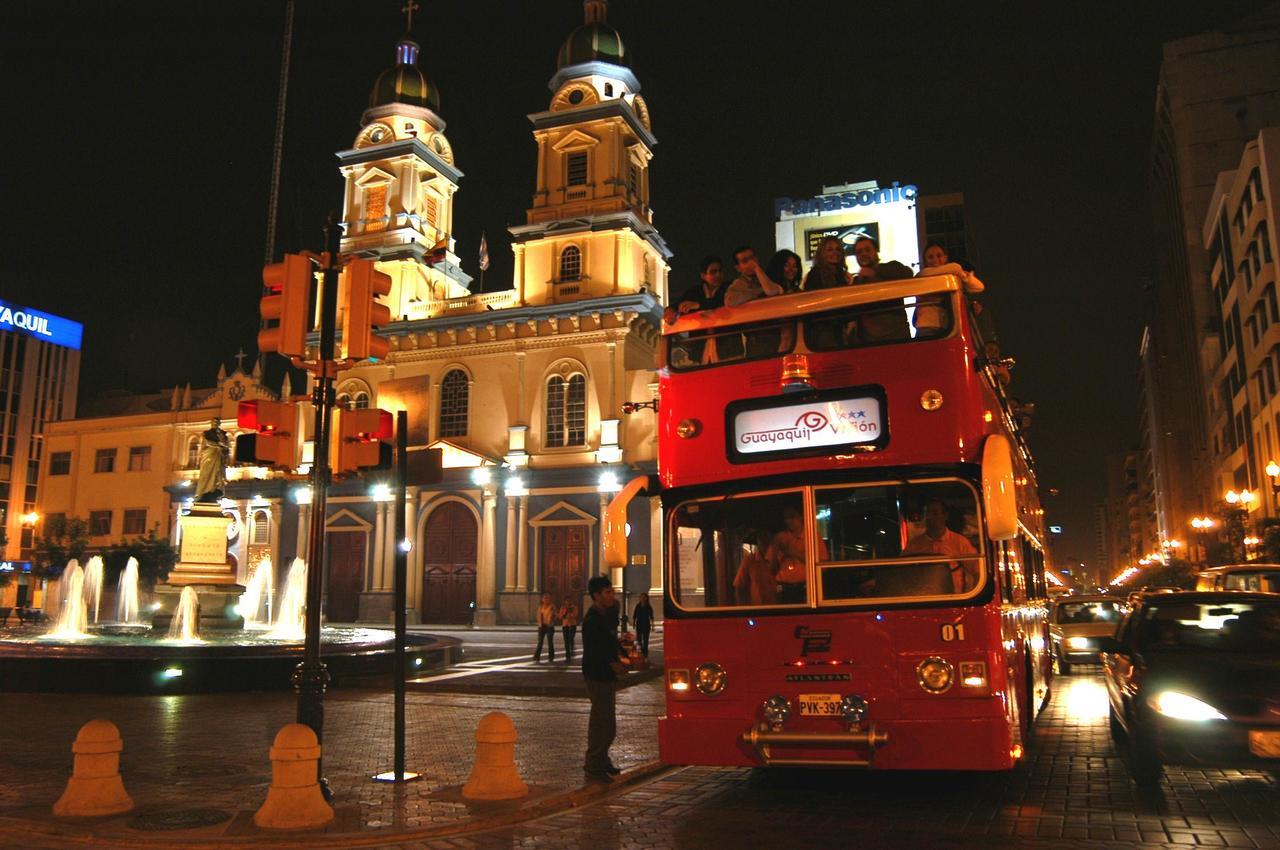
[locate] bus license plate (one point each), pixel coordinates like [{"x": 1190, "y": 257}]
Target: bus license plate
[
  {"x": 1261, "y": 743},
  {"x": 819, "y": 705}
]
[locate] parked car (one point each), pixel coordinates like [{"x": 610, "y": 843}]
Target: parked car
[
  {"x": 1264, "y": 578},
  {"x": 1194, "y": 678},
  {"x": 1076, "y": 623}
]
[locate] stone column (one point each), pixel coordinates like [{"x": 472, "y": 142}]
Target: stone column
[
  {"x": 389, "y": 543},
  {"x": 522, "y": 547},
  {"x": 304, "y": 533},
  {"x": 276, "y": 513},
  {"x": 656, "y": 543},
  {"x": 509, "y": 579},
  {"x": 600, "y": 567},
  {"x": 487, "y": 568},
  {"x": 379, "y": 532}
]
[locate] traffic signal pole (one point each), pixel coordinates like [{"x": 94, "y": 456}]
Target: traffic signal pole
[{"x": 311, "y": 678}]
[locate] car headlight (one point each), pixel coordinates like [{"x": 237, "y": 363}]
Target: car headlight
[
  {"x": 1078, "y": 643},
  {"x": 934, "y": 675},
  {"x": 1183, "y": 707},
  {"x": 710, "y": 678},
  {"x": 776, "y": 710}
]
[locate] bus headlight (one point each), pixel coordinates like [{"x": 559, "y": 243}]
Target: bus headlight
[
  {"x": 678, "y": 680},
  {"x": 853, "y": 708},
  {"x": 776, "y": 710},
  {"x": 710, "y": 678},
  {"x": 935, "y": 675}
]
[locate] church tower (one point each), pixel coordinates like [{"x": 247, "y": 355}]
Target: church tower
[
  {"x": 400, "y": 181},
  {"x": 590, "y": 233}
]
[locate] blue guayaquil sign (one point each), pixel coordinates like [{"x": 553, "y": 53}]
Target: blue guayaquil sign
[
  {"x": 41, "y": 325},
  {"x": 845, "y": 200}
]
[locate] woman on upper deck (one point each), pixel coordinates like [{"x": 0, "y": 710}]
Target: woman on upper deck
[
  {"x": 938, "y": 261},
  {"x": 784, "y": 267},
  {"x": 829, "y": 269}
]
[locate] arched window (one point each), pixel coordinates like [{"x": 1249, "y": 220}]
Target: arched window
[
  {"x": 571, "y": 263},
  {"x": 566, "y": 411},
  {"x": 360, "y": 401},
  {"x": 453, "y": 404},
  {"x": 193, "y": 453},
  {"x": 261, "y": 534}
]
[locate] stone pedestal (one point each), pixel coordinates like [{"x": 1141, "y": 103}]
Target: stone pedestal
[
  {"x": 377, "y": 607},
  {"x": 202, "y": 565}
]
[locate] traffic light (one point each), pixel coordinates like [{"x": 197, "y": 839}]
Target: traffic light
[
  {"x": 362, "y": 312},
  {"x": 273, "y": 437},
  {"x": 362, "y": 440},
  {"x": 288, "y": 303}
]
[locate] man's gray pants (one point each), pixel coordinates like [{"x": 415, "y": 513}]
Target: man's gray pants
[{"x": 602, "y": 727}]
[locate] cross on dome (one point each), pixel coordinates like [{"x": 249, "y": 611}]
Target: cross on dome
[{"x": 409, "y": 8}]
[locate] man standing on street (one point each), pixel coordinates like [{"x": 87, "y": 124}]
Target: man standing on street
[{"x": 602, "y": 661}]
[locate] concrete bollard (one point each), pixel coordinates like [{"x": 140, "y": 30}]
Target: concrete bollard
[
  {"x": 95, "y": 787},
  {"x": 494, "y": 776},
  {"x": 294, "y": 800}
]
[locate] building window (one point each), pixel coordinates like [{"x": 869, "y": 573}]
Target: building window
[
  {"x": 608, "y": 89},
  {"x": 571, "y": 263},
  {"x": 360, "y": 401},
  {"x": 375, "y": 207},
  {"x": 453, "y": 404},
  {"x": 576, "y": 169},
  {"x": 193, "y": 453},
  {"x": 261, "y": 535},
  {"x": 99, "y": 523},
  {"x": 135, "y": 521},
  {"x": 433, "y": 210},
  {"x": 633, "y": 180},
  {"x": 60, "y": 463},
  {"x": 139, "y": 458},
  {"x": 55, "y": 525},
  {"x": 104, "y": 460},
  {"x": 566, "y": 411}
]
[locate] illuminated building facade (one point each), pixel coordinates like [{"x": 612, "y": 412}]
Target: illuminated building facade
[{"x": 39, "y": 375}]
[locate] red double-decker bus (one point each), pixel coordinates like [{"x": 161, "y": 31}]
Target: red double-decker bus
[{"x": 854, "y": 548}]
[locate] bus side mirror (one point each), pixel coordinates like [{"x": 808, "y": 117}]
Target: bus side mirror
[
  {"x": 614, "y": 527},
  {"x": 999, "y": 497}
]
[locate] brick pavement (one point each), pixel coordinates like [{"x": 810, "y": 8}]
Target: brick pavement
[{"x": 1070, "y": 792}]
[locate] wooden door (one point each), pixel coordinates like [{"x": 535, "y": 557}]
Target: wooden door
[
  {"x": 564, "y": 561},
  {"x": 346, "y": 575},
  {"x": 449, "y": 565}
]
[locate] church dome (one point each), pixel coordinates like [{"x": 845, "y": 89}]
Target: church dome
[
  {"x": 593, "y": 42},
  {"x": 405, "y": 83}
]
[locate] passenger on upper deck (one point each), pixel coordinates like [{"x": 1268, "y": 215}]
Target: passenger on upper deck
[
  {"x": 829, "y": 269},
  {"x": 752, "y": 282},
  {"x": 937, "y": 261},
  {"x": 784, "y": 267},
  {"x": 937, "y": 539},
  {"x": 706, "y": 294},
  {"x": 870, "y": 269}
]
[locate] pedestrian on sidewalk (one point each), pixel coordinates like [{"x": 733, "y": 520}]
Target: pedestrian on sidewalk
[
  {"x": 569, "y": 626},
  {"x": 546, "y": 628},
  {"x": 602, "y": 661},
  {"x": 643, "y": 623}
]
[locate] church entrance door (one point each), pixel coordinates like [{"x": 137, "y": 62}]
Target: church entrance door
[
  {"x": 564, "y": 561},
  {"x": 346, "y": 575},
  {"x": 449, "y": 565}
]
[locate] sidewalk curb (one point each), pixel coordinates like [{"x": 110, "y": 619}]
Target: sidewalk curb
[{"x": 67, "y": 834}]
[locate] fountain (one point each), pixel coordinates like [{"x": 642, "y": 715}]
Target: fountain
[
  {"x": 185, "y": 625},
  {"x": 72, "y": 618},
  {"x": 255, "y": 603},
  {"x": 93, "y": 586},
  {"x": 127, "y": 595},
  {"x": 291, "y": 615}
]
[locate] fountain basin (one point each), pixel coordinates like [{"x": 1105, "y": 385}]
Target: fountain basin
[{"x": 226, "y": 661}]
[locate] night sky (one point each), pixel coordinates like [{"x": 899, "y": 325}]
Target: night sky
[{"x": 138, "y": 160}]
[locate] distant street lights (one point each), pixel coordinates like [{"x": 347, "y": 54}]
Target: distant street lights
[
  {"x": 1203, "y": 525},
  {"x": 1237, "y": 511}
]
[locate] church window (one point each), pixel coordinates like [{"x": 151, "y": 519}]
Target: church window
[
  {"x": 375, "y": 207},
  {"x": 261, "y": 534},
  {"x": 571, "y": 263},
  {"x": 360, "y": 401},
  {"x": 575, "y": 96},
  {"x": 566, "y": 411},
  {"x": 193, "y": 453},
  {"x": 433, "y": 210},
  {"x": 576, "y": 169},
  {"x": 344, "y": 401},
  {"x": 454, "y": 390},
  {"x": 633, "y": 180},
  {"x": 608, "y": 89}
]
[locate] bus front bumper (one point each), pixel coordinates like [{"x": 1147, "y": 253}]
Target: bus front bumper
[{"x": 851, "y": 748}]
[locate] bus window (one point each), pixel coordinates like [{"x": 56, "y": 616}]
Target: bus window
[
  {"x": 742, "y": 551},
  {"x": 696, "y": 349},
  {"x": 898, "y": 540},
  {"x": 904, "y": 320}
]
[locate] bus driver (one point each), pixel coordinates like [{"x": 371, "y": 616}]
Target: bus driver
[{"x": 937, "y": 539}]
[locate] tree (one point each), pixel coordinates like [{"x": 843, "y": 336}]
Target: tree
[
  {"x": 1269, "y": 550},
  {"x": 66, "y": 538},
  {"x": 1176, "y": 573},
  {"x": 155, "y": 555}
]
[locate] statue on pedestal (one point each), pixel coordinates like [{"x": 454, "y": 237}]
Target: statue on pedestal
[{"x": 215, "y": 451}]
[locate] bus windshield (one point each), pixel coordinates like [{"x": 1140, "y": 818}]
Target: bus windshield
[
  {"x": 867, "y": 543},
  {"x": 909, "y": 319}
]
